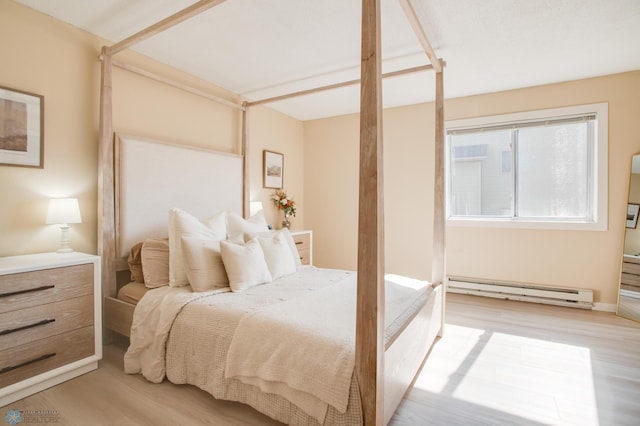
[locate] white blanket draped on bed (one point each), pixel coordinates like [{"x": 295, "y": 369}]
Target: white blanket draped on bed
[
  {"x": 294, "y": 337},
  {"x": 152, "y": 322},
  {"x": 272, "y": 349},
  {"x": 303, "y": 349}
]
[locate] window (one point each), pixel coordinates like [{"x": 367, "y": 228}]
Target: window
[{"x": 541, "y": 169}]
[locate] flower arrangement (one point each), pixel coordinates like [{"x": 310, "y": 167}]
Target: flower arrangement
[{"x": 283, "y": 203}]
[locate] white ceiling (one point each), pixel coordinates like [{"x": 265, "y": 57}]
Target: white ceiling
[{"x": 265, "y": 48}]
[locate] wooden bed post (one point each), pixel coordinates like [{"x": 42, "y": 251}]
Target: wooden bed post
[
  {"x": 439, "y": 220},
  {"x": 438, "y": 275},
  {"x": 106, "y": 207},
  {"x": 370, "y": 307},
  {"x": 246, "y": 184}
]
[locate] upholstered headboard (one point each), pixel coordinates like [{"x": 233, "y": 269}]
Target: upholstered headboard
[{"x": 151, "y": 177}]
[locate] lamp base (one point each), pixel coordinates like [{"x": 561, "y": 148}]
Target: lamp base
[{"x": 64, "y": 240}]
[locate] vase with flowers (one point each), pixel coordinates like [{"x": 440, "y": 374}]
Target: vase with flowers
[{"x": 286, "y": 205}]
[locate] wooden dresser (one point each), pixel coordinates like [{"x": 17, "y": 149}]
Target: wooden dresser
[
  {"x": 50, "y": 321},
  {"x": 630, "y": 279},
  {"x": 304, "y": 241}
]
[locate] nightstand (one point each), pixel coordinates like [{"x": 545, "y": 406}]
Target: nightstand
[
  {"x": 50, "y": 321},
  {"x": 304, "y": 244}
]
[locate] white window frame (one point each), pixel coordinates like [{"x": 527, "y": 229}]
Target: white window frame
[{"x": 600, "y": 175}]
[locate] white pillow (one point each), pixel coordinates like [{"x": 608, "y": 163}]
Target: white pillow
[
  {"x": 203, "y": 264},
  {"x": 283, "y": 233},
  {"x": 245, "y": 265},
  {"x": 237, "y": 226},
  {"x": 277, "y": 255},
  {"x": 182, "y": 224}
]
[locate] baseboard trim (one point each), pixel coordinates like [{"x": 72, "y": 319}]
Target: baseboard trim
[{"x": 604, "y": 307}]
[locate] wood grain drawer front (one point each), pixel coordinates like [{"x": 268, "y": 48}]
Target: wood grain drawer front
[
  {"x": 22, "y": 362},
  {"x": 303, "y": 244},
  {"x": 630, "y": 279},
  {"x": 631, "y": 268},
  {"x": 303, "y": 241},
  {"x": 31, "y": 324},
  {"x": 29, "y": 289},
  {"x": 305, "y": 256}
]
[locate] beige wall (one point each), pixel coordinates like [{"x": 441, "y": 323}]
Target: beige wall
[
  {"x": 44, "y": 56},
  {"x": 41, "y": 56},
  {"x": 271, "y": 130},
  {"x": 562, "y": 258}
]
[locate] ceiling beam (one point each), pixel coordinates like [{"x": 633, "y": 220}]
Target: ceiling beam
[
  {"x": 410, "y": 12},
  {"x": 163, "y": 25},
  {"x": 338, "y": 85}
]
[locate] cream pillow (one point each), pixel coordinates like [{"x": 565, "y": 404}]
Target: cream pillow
[
  {"x": 245, "y": 265},
  {"x": 183, "y": 224},
  {"x": 282, "y": 233},
  {"x": 277, "y": 255},
  {"x": 203, "y": 264},
  {"x": 237, "y": 226},
  {"x": 155, "y": 262}
]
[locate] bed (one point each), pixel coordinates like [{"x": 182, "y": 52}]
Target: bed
[
  {"x": 384, "y": 359},
  {"x": 201, "y": 338}
]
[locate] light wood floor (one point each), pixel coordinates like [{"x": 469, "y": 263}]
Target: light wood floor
[{"x": 499, "y": 363}]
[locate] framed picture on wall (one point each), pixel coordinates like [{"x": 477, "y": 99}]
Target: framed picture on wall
[
  {"x": 273, "y": 169},
  {"x": 632, "y": 215},
  {"x": 21, "y": 128}
]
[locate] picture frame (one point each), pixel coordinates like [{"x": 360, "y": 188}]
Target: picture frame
[
  {"x": 21, "y": 128},
  {"x": 632, "y": 215},
  {"x": 272, "y": 169}
]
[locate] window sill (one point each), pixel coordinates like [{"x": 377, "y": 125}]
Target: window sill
[{"x": 507, "y": 223}]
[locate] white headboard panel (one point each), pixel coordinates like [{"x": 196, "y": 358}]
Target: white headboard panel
[{"x": 151, "y": 177}]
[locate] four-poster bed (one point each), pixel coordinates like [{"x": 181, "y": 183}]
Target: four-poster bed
[{"x": 383, "y": 368}]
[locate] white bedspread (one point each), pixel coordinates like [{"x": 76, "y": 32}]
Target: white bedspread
[
  {"x": 272, "y": 349},
  {"x": 152, "y": 320},
  {"x": 307, "y": 362},
  {"x": 304, "y": 349}
]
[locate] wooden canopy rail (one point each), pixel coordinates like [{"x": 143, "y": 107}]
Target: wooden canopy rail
[
  {"x": 370, "y": 348},
  {"x": 176, "y": 84},
  {"x": 422, "y": 36},
  {"x": 337, "y": 85}
]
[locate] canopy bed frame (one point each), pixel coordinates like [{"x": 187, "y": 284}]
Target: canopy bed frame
[{"x": 383, "y": 393}]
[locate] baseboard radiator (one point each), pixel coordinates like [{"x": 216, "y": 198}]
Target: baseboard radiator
[{"x": 572, "y": 297}]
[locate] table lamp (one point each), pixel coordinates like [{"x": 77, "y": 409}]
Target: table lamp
[{"x": 63, "y": 211}]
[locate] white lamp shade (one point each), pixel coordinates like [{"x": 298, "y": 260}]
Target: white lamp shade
[
  {"x": 255, "y": 207},
  {"x": 63, "y": 210}
]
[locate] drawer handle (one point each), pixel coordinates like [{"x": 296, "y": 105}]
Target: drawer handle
[
  {"x": 299, "y": 242},
  {"x": 24, "y": 327},
  {"x": 31, "y": 361},
  {"x": 14, "y": 293}
]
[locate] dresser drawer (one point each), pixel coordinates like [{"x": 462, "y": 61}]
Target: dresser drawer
[
  {"x": 25, "y": 361},
  {"x": 305, "y": 256},
  {"x": 303, "y": 244},
  {"x": 29, "y": 289},
  {"x": 31, "y": 324},
  {"x": 303, "y": 241},
  {"x": 631, "y": 268}
]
